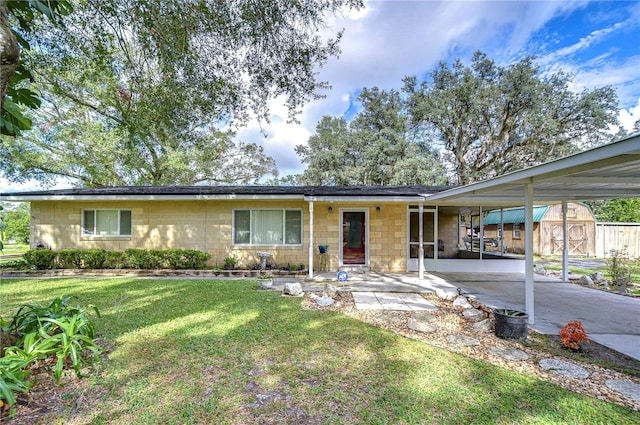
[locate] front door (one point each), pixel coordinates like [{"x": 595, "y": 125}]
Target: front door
[
  {"x": 428, "y": 239},
  {"x": 353, "y": 249}
]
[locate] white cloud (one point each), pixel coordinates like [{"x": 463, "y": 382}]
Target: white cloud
[{"x": 628, "y": 117}]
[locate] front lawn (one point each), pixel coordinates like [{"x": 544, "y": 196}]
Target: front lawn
[{"x": 219, "y": 351}]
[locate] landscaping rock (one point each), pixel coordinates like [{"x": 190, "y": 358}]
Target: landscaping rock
[
  {"x": 561, "y": 367},
  {"x": 462, "y": 302},
  {"x": 463, "y": 340},
  {"x": 294, "y": 289},
  {"x": 323, "y": 301},
  {"x": 539, "y": 270},
  {"x": 446, "y": 294},
  {"x": 509, "y": 353},
  {"x": 483, "y": 325},
  {"x": 473, "y": 315},
  {"x": 627, "y": 388},
  {"x": 330, "y": 290},
  {"x": 598, "y": 278},
  {"x": 586, "y": 280}
]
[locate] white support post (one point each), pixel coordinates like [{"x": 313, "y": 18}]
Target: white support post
[
  {"x": 565, "y": 243},
  {"x": 310, "y": 239},
  {"x": 501, "y": 231},
  {"x": 435, "y": 235},
  {"x": 421, "y": 238},
  {"x": 528, "y": 250},
  {"x": 481, "y": 238}
]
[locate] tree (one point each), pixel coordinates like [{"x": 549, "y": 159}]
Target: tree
[
  {"x": 140, "y": 92},
  {"x": 378, "y": 147},
  {"x": 625, "y": 210},
  {"x": 17, "y": 223},
  {"x": 496, "y": 119},
  {"x": 14, "y": 93}
]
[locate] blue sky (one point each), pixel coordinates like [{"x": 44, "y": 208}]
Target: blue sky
[{"x": 597, "y": 42}]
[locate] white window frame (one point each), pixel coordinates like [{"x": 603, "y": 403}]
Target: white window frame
[
  {"x": 95, "y": 223},
  {"x": 516, "y": 231},
  {"x": 284, "y": 226}
]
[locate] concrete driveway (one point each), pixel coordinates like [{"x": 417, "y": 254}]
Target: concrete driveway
[{"x": 610, "y": 319}]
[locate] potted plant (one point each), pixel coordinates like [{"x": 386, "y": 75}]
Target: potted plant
[
  {"x": 265, "y": 281},
  {"x": 511, "y": 324}
]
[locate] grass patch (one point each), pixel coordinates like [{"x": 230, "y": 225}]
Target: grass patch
[
  {"x": 207, "y": 351},
  {"x": 14, "y": 249}
]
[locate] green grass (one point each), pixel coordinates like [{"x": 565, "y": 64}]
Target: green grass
[
  {"x": 14, "y": 249},
  {"x": 206, "y": 351},
  {"x": 557, "y": 265}
]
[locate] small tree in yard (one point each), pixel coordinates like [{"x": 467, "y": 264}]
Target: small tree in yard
[{"x": 619, "y": 267}]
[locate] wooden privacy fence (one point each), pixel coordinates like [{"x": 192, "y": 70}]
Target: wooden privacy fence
[{"x": 619, "y": 236}]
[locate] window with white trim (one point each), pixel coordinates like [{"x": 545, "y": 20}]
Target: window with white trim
[
  {"x": 516, "y": 230},
  {"x": 106, "y": 222},
  {"x": 267, "y": 227}
]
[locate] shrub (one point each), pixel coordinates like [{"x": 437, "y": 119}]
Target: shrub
[
  {"x": 13, "y": 377},
  {"x": 18, "y": 264},
  {"x": 230, "y": 263},
  {"x": 59, "y": 330},
  {"x": 70, "y": 258},
  {"x": 41, "y": 259},
  {"x": 178, "y": 259},
  {"x": 573, "y": 334},
  {"x": 618, "y": 266},
  {"x": 93, "y": 258},
  {"x": 114, "y": 260},
  {"x": 142, "y": 259}
]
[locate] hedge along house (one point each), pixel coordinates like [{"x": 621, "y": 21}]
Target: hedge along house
[
  {"x": 504, "y": 230},
  {"x": 365, "y": 228}
]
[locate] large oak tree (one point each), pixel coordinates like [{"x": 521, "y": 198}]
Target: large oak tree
[
  {"x": 146, "y": 91},
  {"x": 495, "y": 119}
]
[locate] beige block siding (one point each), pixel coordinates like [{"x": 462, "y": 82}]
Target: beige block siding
[{"x": 207, "y": 226}]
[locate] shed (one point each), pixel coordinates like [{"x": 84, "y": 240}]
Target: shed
[{"x": 547, "y": 229}]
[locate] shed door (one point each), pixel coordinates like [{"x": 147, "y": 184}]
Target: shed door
[{"x": 577, "y": 240}]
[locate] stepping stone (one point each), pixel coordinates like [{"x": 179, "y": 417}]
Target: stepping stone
[
  {"x": 366, "y": 301},
  {"x": 560, "y": 367},
  {"x": 416, "y": 302},
  {"x": 627, "y": 388},
  {"x": 508, "y": 353},
  {"x": 424, "y": 322},
  {"x": 463, "y": 340}
]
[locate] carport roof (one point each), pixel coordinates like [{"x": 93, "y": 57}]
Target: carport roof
[{"x": 606, "y": 172}]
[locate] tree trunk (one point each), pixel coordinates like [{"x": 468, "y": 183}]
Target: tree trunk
[{"x": 9, "y": 51}]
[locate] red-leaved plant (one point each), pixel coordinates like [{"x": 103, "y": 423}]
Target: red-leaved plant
[{"x": 573, "y": 334}]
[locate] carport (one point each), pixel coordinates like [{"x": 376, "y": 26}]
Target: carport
[{"x": 603, "y": 173}]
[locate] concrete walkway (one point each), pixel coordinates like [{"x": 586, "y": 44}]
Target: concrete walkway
[
  {"x": 610, "y": 319},
  {"x": 391, "y": 301}
]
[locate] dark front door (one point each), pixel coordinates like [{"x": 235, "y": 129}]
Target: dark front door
[{"x": 354, "y": 238}]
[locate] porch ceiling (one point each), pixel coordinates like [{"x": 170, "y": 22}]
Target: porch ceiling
[{"x": 607, "y": 172}]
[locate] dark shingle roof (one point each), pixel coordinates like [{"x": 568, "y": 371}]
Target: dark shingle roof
[{"x": 162, "y": 191}]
